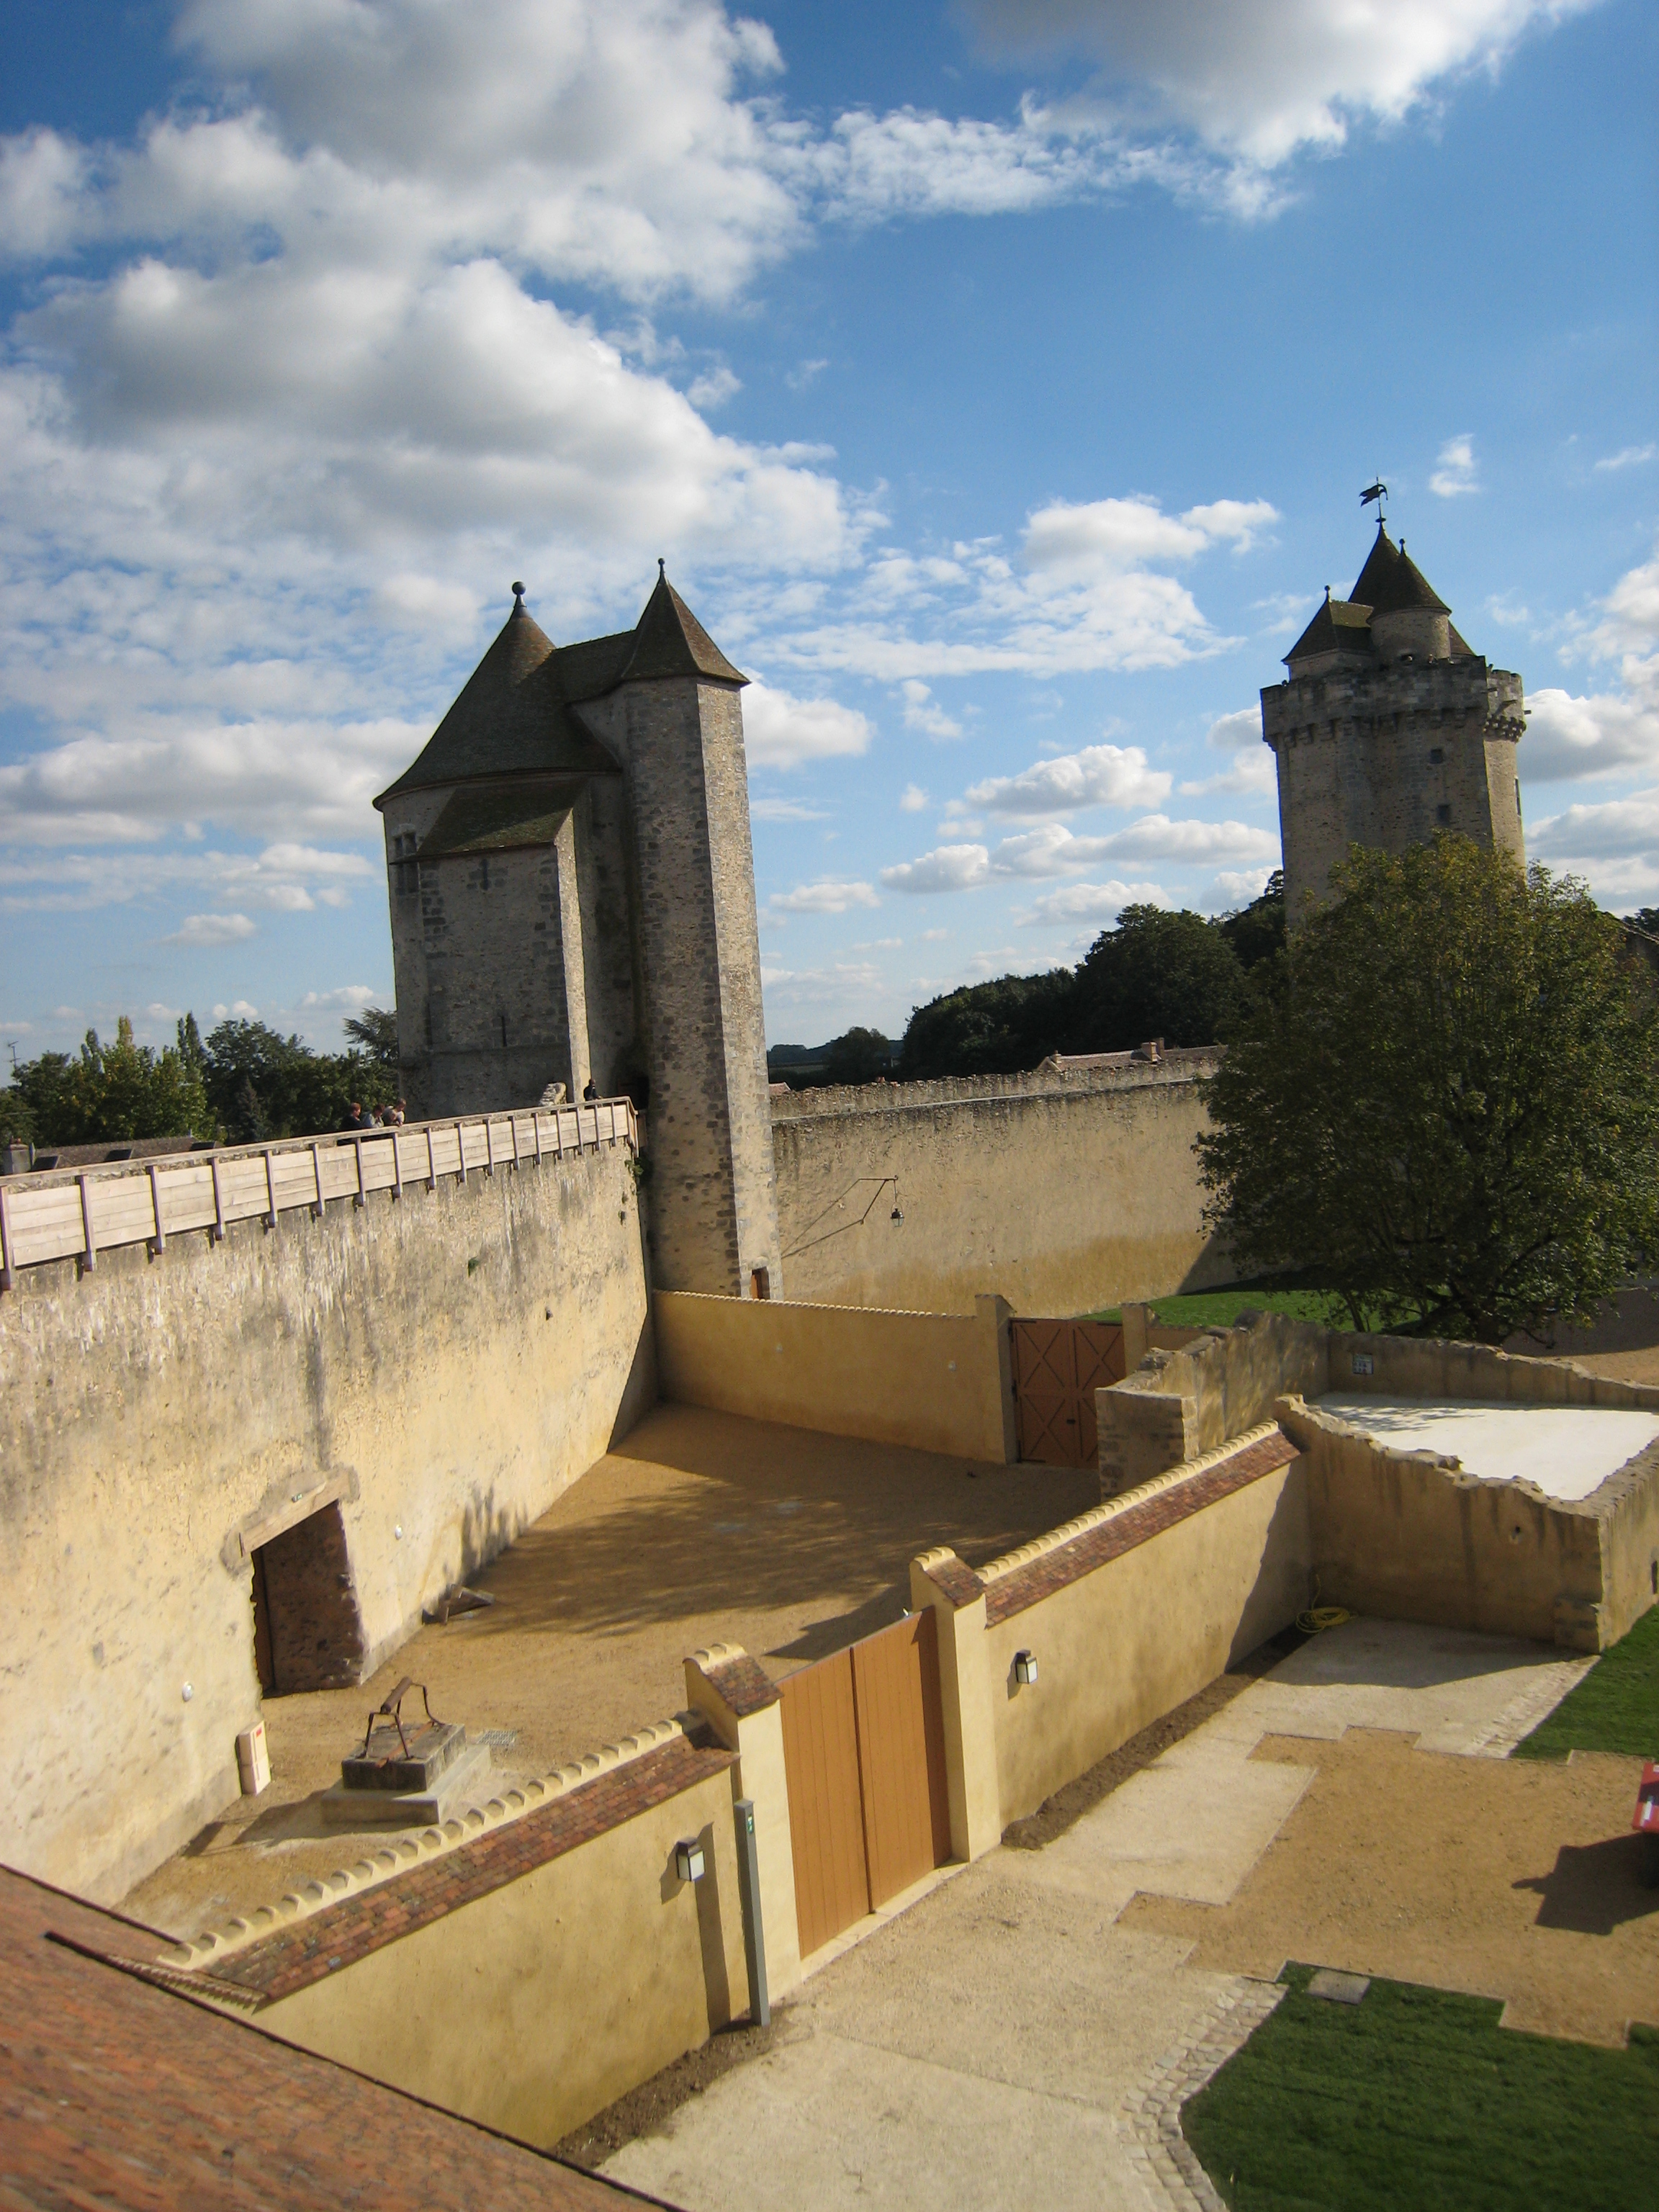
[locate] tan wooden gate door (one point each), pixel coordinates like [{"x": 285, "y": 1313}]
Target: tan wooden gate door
[
  {"x": 864, "y": 1757},
  {"x": 1058, "y": 1367}
]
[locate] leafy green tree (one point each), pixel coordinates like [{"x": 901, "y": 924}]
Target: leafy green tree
[
  {"x": 1442, "y": 1102},
  {"x": 263, "y": 1085},
  {"x": 1157, "y": 974},
  {"x": 988, "y": 1029},
  {"x": 858, "y": 1055},
  {"x": 109, "y": 1092},
  {"x": 376, "y": 1030},
  {"x": 1257, "y": 932}
]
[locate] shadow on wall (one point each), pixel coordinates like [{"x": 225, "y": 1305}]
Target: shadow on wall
[{"x": 702, "y": 1512}]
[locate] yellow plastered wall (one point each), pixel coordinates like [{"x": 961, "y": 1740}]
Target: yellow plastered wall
[
  {"x": 1122, "y": 1646},
  {"x": 931, "y": 1380},
  {"x": 534, "y": 2007},
  {"x": 1408, "y": 1535}
]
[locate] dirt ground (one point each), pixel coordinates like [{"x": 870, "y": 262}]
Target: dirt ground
[
  {"x": 700, "y": 1526},
  {"x": 1502, "y": 1878},
  {"x": 1623, "y": 1343}
]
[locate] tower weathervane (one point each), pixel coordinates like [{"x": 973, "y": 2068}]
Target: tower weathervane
[{"x": 1378, "y": 491}]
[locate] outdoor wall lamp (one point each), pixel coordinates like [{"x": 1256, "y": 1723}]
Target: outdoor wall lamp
[
  {"x": 1025, "y": 1667},
  {"x": 688, "y": 1860}
]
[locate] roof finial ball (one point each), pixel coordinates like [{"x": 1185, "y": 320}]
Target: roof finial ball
[
  {"x": 662, "y": 569},
  {"x": 518, "y": 598}
]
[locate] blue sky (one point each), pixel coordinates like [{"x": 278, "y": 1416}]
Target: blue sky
[{"x": 997, "y": 379}]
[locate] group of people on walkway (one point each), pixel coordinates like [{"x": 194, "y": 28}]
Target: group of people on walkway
[{"x": 360, "y": 1117}]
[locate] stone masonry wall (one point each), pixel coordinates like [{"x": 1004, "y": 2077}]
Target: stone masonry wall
[
  {"x": 489, "y": 956},
  {"x": 712, "y": 1216},
  {"x": 442, "y": 1366},
  {"x": 1355, "y": 753},
  {"x": 1062, "y": 1194}
]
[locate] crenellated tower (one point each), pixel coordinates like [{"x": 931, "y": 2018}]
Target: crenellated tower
[{"x": 1389, "y": 728}]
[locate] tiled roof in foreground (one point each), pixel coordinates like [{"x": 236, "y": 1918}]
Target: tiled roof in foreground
[{"x": 119, "y": 2094}]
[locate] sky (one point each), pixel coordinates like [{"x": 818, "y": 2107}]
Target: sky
[{"x": 997, "y": 382}]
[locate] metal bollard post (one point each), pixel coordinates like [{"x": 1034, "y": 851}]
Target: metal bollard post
[{"x": 754, "y": 1934}]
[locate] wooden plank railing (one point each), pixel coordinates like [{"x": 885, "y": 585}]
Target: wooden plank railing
[{"x": 71, "y": 1214}]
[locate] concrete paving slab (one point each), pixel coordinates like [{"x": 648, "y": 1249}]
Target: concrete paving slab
[
  {"x": 826, "y": 2123},
  {"x": 1191, "y": 1826},
  {"x": 1567, "y": 1451}
]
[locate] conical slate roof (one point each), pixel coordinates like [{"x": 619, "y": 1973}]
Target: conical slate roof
[
  {"x": 513, "y": 716},
  {"x": 669, "y": 640},
  {"x": 1339, "y": 626},
  {"x": 1390, "y": 580},
  {"x": 509, "y": 719}
]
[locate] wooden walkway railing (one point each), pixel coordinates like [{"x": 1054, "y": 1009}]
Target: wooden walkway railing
[{"x": 70, "y": 1215}]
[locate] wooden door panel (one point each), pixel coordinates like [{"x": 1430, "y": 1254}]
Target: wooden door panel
[
  {"x": 907, "y": 1823},
  {"x": 826, "y": 1818},
  {"x": 1058, "y": 1367}
]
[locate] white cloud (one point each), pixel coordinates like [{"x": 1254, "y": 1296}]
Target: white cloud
[
  {"x": 1629, "y": 457},
  {"x": 1504, "y": 611},
  {"x": 780, "y": 730},
  {"x": 349, "y": 999},
  {"x": 1236, "y": 887},
  {"x": 1098, "y": 775},
  {"x": 1239, "y": 732},
  {"x": 1087, "y": 596},
  {"x": 1094, "y": 901},
  {"x": 1455, "y": 471},
  {"x": 1620, "y": 829},
  {"x": 1259, "y": 80},
  {"x": 913, "y": 799},
  {"x": 1568, "y": 736},
  {"x": 209, "y": 929},
  {"x": 805, "y": 372},
  {"x": 947, "y": 868},
  {"x": 1254, "y": 769},
  {"x": 785, "y": 810},
  {"x": 831, "y": 894},
  {"x": 713, "y": 389},
  {"x": 240, "y": 1009},
  {"x": 1156, "y": 837},
  {"x": 1073, "y": 543},
  {"x": 922, "y": 712}
]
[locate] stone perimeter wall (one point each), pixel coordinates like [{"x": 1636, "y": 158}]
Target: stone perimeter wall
[
  {"x": 1060, "y": 1192},
  {"x": 439, "y": 1368}
]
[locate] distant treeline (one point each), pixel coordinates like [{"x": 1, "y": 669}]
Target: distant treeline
[
  {"x": 1178, "y": 977},
  {"x": 244, "y": 1084}
]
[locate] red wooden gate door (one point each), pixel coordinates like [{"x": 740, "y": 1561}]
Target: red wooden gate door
[
  {"x": 1058, "y": 1367},
  {"x": 864, "y": 1757}
]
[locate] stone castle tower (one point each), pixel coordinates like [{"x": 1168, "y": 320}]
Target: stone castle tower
[
  {"x": 572, "y": 898},
  {"x": 1388, "y": 729}
]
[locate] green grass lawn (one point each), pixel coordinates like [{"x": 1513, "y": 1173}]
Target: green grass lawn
[
  {"x": 1415, "y": 2101},
  {"x": 1614, "y": 1708},
  {"x": 1220, "y": 1309}
]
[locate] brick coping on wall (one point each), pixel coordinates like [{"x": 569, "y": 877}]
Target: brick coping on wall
[
  {"x": 1036, "y": 1571},
  {"x": 202, "y": 1955},
  {"x": 294, "y": 1958}
]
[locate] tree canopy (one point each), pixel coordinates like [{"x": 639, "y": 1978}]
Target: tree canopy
[
  {"x": 245, "y": 1080},
  {"x": 988, "y": 1029},
  {"x": 1441, "y": 1101},
  {"x": 107, "y": 1092},
  {"x": 1179, "y": 976}
]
